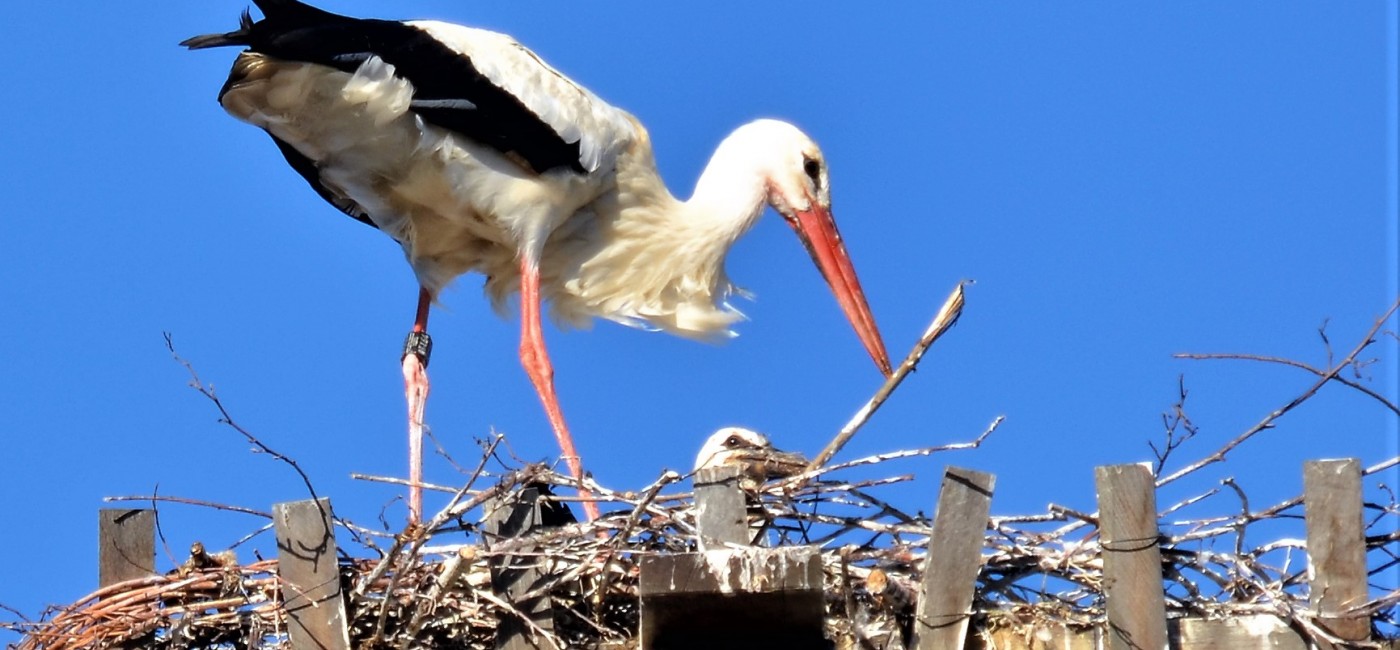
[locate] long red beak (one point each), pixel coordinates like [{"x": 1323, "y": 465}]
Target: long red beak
[{"x": 817, "y": 230}]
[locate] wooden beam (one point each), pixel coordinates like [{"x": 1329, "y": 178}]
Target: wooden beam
[
  {"x": 1249, "y": 632},
  {"x": 310, "y": 573},
  {"x": 1037, "y": 635},
  {"x": 721, "y": 513},
  {"x": 512, "y": 576},
  {"x": 737, "y": 599},
  {"x": 1132, "y": 558},
  {"x": 954, "y": 559},
  {"x": 1257, "y": 632},
  {"x": 1336, "y": 546},
  {"x": 126, "y": 544}
]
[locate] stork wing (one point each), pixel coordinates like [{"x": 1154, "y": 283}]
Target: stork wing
[
  {"x": 571, "y": 112},
  {"x": 480, "y": 84}
]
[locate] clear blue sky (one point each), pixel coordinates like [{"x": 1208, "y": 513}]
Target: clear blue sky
[{"x": 1122, "y": 184}]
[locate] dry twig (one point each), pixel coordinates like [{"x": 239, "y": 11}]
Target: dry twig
[{"x": 947, "y": 316}]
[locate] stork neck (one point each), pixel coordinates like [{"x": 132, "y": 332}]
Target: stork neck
[{"x": 731, "y": 192}]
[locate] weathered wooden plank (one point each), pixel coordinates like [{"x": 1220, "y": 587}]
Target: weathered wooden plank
[
  {"x": 1132, "y": 559},
  {"x": 1260, "y": 632},
  {"x": 749, "y": 598},
  {"x": 310, "y": 573},
  {"x": 954, "y": 558},
  {"x": 721, "y": 514},
  {"x": 730, "y": 571},
  {"x": 1336, "y": 546},
  {"x": 1035, "y": 636},
  {"x": 514, "y": 575},
  {"x": 126, "y": 544}
]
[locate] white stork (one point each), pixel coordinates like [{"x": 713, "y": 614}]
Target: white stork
[{"x": 475, "y": 155}]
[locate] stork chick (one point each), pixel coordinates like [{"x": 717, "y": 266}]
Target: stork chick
[{"x": 752, "y": 452}]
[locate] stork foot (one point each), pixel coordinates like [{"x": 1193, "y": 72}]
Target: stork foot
[{"x": 415, "y": 385}]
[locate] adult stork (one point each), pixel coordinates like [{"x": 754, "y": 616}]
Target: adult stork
[{"x": 475, "y": 155}]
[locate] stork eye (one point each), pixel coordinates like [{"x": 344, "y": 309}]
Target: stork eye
[
  {"x": 813, "y": 169},
  {"x": 733, "y": 441}
]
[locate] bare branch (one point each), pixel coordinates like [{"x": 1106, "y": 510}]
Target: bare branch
[
  {"x": 947, "y": 316},
  {"x": 207, "y": 390},
  {"x": 190, "y": 502},
  {"x": 1296, "y": 364},
  {"x": 1269, "y": 419}
]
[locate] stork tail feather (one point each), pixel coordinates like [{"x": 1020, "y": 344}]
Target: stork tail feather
[
  {"x": 285, "y": 14},
  {"x": 235, "y": 38}
]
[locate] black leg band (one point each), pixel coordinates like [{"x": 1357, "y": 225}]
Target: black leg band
[{"x": 420, "y": 345}]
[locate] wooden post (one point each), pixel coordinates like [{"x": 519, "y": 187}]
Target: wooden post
[
  {"x": 514, "y": 575},
  {"x": 954, "y": 559},
  {"x": 310, "y": 573},
  {"x": 126, "y": 544},
  {"x": 721, "y": 515},
  {"x": 1132, "y": 558},
  {"x": 1336, "y": 546}
]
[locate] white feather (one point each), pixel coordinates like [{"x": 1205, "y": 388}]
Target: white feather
[{"x": 382, "y": 93}]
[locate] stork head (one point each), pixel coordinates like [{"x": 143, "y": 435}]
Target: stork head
[
  {"x": 797, "y": 186},
  {"x": 752, "y": 452}
]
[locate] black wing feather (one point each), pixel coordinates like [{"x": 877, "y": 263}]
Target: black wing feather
[
  {"x": 308, "y": 170},
  {"x": 294, "y": 31}
]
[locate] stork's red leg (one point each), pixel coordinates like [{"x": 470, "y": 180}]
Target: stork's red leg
[
  {"x": 415, "y": 386},
  {"x": 536, "y": 361}
]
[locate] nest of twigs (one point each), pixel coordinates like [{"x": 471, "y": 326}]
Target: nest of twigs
[
  {"x": 427, "y": 588},
  {"x": 420, "y": 593}
]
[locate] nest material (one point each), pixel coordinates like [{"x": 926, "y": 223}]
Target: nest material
[{"x": 1037, "y": 570}]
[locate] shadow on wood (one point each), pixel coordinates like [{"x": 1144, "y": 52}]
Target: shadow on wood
[
  {"x": 954, "y": 557},
  {"x": 515, "y": 575},
  {"x": 126, "y": 544},
  {"x": 310, "y": 572}
]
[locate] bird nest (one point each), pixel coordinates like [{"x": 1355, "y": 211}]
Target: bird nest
[
  {"x": 413, "y": 590},
  {"x": 425, "y": 587}
]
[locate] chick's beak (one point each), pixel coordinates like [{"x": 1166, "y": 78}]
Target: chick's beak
[
  {"x": 781, "y": 464},
  {"x": 768, "y": 463}
]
